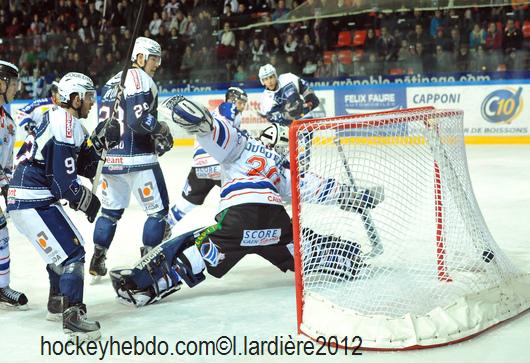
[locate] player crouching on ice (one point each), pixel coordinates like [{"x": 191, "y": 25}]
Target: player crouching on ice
[{"x": 251, "y": 218}]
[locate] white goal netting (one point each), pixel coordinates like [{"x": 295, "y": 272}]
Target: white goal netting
[{"x": 405, "y": 258}]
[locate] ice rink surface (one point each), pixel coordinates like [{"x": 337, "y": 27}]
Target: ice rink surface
[{"x": 255, "y": 299}]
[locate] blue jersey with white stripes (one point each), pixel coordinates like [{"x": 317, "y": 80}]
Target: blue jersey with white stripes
[
  {"x": 137, "y": 117},
  {"x": 50, "y": 161}
]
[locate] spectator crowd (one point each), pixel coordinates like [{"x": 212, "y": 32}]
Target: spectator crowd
[{"x": 218, "y": 41}]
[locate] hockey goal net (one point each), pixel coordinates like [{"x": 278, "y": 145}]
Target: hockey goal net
[{"x": 429, "y": 272}]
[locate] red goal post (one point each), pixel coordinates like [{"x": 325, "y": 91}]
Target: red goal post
[{"x": 438, "y": 262}]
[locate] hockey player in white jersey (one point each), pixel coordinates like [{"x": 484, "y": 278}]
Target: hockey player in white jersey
[
  {"x": 48, "y": 170},
  {"x": 9, "y": 298},
  {"x": 251, "y": 218},
  {"x": 286, "y": 97},
  {"x": 132, "y": 166},
  {"x": 205, "y": 172}
]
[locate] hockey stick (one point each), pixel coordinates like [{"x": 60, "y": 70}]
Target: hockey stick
[
  {"x": 432, "y": 134},
  {"x": 119, "y": 93},
  {"x": 371, "y": 231}
]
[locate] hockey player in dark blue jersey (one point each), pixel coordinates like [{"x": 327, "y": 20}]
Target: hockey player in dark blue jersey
[
  {"x": 9, "y": 298},
  {"x": 49, "y": 165},
  {"x": 132, "y": 166}
]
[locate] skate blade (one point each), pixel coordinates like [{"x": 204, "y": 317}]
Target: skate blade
[
  {"x": 96, "y": 279},
  {"x": 75, "y": 336},
  {"x": 9, "y": 307},
  {"x": 55, "y": 317}
]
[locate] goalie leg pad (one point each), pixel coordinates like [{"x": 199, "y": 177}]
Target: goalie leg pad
[
  {"x": 190, "y": 266},
  {"x": 160, "y": 272}
]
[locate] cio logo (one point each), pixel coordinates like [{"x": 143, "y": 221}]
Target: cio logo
[{"x": 503, "y": 105}]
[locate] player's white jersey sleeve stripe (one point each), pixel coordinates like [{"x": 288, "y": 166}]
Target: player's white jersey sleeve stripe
[
  {"x": 225, "y": 143},
  {"x": 222, "y": 136}
]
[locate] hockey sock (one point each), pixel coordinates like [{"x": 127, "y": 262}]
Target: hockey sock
[
  {"x": 154, "y": 229},
  {"x": 4, "y": 257},
  {"x": 106, "y": 226},
  {"x": 71, "y": 282},
  {"x": 54, "y": 278}
]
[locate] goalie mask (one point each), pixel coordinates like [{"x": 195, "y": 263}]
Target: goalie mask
[
  {"x": 191, "y": 116},
  {"x": 276, "y": 137},
  {"x": 237, "y": 96},
  {"x": 234, "y": 94}
]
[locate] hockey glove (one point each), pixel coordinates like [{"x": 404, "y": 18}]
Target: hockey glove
[
  {"x": 106, "y": 135},
  {"x": 358, "y": 201},
  {"x": 88, "y": 204},
  {"x": 163, "y": 139},
  {"x": 294, "y": 109},
  {"x": 278, "y": 118}
]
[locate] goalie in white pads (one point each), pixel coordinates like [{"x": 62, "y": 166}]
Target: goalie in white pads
[
  {"x": 205, "y": 172},
  {"x": 251, "y": 218},
  {"x": 9, "y": 82}
]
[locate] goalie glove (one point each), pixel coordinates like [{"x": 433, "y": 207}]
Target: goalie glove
[
  {"x": 191, "y": 116},
  {"x": 163, "y": 139},
  {"x": 88, "y": 204},
  {"x": 106, "y": 135},
  {"x": 362, "y": 199}
]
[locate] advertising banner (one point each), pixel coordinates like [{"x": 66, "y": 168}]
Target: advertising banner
[{"x": 489, "y": 110}]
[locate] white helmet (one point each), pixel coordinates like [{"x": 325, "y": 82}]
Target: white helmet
[
  {"x": 8, "y": 70},
  {"x": 266, "y": 71},
  {"x": 276, "y": 137},
  {"x": 147, "y": 47},
  {"x": 74, "y": 82}
]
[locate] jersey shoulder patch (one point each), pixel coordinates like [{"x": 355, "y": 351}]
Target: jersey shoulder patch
[
  {"x": 66, "y": 128},
  {"x": 287, "y": 78},
  {"x": 138, "y": 81}
]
